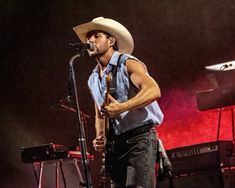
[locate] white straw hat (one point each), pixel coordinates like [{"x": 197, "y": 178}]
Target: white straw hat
[{"x": 124, "y": 39}]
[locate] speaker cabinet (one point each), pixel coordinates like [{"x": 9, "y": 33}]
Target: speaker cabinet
[
  {"x": 202, "y": 157},
  {"x": 221, "y": 178}
]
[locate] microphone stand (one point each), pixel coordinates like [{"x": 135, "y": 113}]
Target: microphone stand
[{"x": 79, "y": 122}]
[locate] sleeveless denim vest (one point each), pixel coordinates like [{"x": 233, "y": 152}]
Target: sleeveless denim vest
[{"x": 124, "y": 90}]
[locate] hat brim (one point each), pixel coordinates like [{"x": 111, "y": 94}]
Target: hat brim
[{"x": 124, "y": 39}]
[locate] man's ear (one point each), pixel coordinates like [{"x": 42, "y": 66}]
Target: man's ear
[{"x": 112, "y": 41}]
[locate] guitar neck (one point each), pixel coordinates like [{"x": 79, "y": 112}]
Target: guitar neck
[{"x": 108, "y": 80}]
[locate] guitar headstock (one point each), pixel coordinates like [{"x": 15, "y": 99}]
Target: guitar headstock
[{"x": 108, "y": 79}]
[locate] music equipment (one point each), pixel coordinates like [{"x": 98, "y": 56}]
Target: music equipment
[
  {"x": 230, "y": 65},
  {"x": 104, "y": 179},
  {"x": 78, "y": 155},
  {"x": 108, "y": 80},
  {"x": 221, "y": 92},
  {"x": 201, "y": 157},
  {"x": 221, "y": 178},
  {"x": 82, "y": 46},
  {"x": 50, "y": 151}
]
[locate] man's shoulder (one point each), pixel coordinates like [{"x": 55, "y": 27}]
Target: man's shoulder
[{"x": 128, "y": 57}]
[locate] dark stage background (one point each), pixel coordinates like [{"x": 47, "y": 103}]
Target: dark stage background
[{"x": 176, "y": 39}]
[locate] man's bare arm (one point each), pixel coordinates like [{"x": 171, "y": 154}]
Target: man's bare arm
[
  {"x": 99, "y": 122},
  {"x": 147, "y": 86}
]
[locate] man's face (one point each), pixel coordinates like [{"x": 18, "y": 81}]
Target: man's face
[{"x": 101, "y": 42}]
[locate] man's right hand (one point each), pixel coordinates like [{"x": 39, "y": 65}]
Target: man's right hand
[{"x": 98, "y": 143}]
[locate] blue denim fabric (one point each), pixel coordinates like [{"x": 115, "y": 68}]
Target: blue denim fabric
[{"x": 133, "y": 161}]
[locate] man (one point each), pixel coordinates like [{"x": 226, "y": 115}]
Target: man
[{"x": 133, "y": 108}]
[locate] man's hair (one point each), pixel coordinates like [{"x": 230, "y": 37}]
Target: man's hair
[{"x": 115, "y": 47}]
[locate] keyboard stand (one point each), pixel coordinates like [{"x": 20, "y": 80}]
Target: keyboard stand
[{"x": 39, "y": 169}]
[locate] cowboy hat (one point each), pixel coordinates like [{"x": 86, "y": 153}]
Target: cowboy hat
[{"x": 124, "y": 39}]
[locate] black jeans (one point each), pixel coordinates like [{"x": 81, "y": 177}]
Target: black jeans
[{"x": 133, "y": 161}]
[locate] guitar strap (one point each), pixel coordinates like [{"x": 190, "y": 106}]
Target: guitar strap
[
  {"x": 113, "y": 83},
  {"x": 112, "y": 91}
]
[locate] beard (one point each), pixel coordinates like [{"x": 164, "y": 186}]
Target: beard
[
  {"x": 96, "y": 53},
  {"x": 93, "y": 54}
]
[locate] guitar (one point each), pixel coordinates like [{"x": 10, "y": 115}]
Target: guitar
[
  {"x": 104, "y": 181},
  {"x": 106, "y": 102}
]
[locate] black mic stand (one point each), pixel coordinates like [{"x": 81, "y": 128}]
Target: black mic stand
[{"x": 81, "y": 139}]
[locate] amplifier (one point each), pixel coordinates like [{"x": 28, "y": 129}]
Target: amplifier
[
  {"x": 43, "y": 153},
  {"x": 200, "y": 157},
  {"x": 220, "y": 178}
]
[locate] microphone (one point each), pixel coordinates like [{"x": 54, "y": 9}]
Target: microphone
[{"x": 82, "y": 46}]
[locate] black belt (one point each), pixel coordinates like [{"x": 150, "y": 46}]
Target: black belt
[{"x": 144, "y": 127}]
